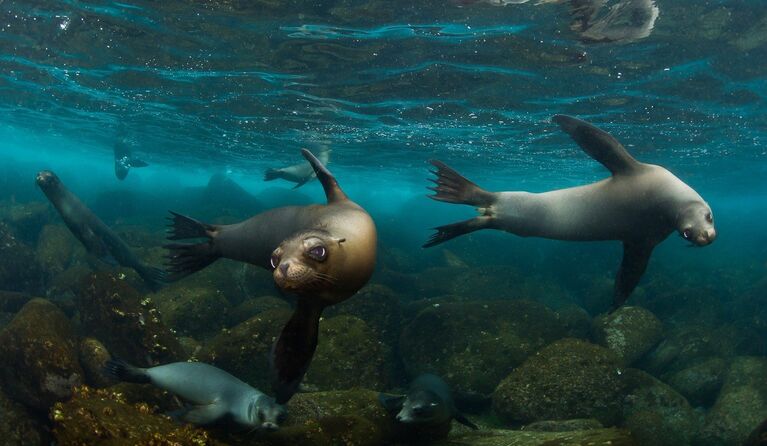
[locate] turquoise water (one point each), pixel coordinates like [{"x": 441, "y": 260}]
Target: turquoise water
[{"x": 237, "y": 87}]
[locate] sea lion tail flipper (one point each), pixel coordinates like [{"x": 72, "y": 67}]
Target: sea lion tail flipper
[
  {"x": 452, "y": 187},
  {"x": 182, "y": 227},
  {"x": 186, "y": 259},
  {"x": 451, "y": 231},
  {"x": 461, "y": 418},
  {"x": 599, "y": 144},
  {"x": 332, "y": 190},
  {"x": 272, "y": 174},
  {"x": 294, "y": 349},
  {"x": 154, "y": 277},
  {"x": 635, "y": 259},
  {"x": 125, "y": 372}
]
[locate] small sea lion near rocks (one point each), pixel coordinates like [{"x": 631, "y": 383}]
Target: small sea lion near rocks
[
  {"x": 428, "y": 403},
  {"x": 214, "y": 394},
  {"x": 623, "y": 21},
  {"x": 94, "y": 234},
  {"x": 322, "y": 254},
  {"x": 640, "y": 205},
  {"x": 124, "y": 158},
  {"x": 300, "y": 173}
]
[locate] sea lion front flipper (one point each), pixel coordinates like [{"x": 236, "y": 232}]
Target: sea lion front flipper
[
  {"x": 293, "y": 351},
  {"x": 392, "y": 403},
  {"x": 452, "y": 187},
  {"x": 333, "y": 191},
  {"x": 461, "y": 418},
  {"x": 135, "y": 162},
  {"x": 636, "y": 255},
  {"x": 304, "y": 181},
  {"x": 599, "y": 144},
  {"x": 203, "y": 414}
]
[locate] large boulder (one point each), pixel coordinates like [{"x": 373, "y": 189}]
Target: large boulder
[
  {"x": 500, "y": 437},
  {"x": 700, "y": 382},
  {"x": 379, "y": 307},
  {"x": 473, "y": 345},
  {"x": 27, "y": 219},
  {"x": 251, "y": 307},
  {"x": 349, "y": 354},
  {"x": 19, "y": 268},
  {"x": 93, "y": 358},
  {"x": 55, "y": 248},
  {"x": 630, "y": 332},
  {"x": 38, "y": 356},
  {"x": 741, "y": 405},
  {"x": 125, "y": 322},
  {"x": 19, "y": 427},
  {"x": 570, "y": 378},
  {"x": 199, "y": 312}
]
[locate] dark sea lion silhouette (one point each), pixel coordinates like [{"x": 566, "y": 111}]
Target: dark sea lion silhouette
[{"x": 640, "y": 205}]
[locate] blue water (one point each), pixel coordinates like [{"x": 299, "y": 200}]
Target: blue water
[{"x": 238, "y": 87}]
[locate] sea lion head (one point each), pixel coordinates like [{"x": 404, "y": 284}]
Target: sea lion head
[
  {"x": 304, "y": 264},
  {"x": 422, "y": 407},
  {"x": 696, "y": 224},
  {"x": 46, "y": 179},
  {"x": 264, "y": 413}
]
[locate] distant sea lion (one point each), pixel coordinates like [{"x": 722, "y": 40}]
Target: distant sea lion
[
  {"x": 623, "y": 21},
  {"x": 640, "y": 205},
  {"x": 428, "y": 403},
  {"x": 124, "y": 159},
  {"x": 321, "y": 253},
  {"x": 298, "y": 173},
  {"x": 216, "y": 395},
  {"x": 96, "y": 236}
]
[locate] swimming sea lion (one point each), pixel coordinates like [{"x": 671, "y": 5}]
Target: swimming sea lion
[
  {"x": 96, "y": 236},
  {"x": 215, "y": 394},
  {"x": 298, "y": 173},
  {"x": 321, "y": 253},
  {"x": 640, "y": 205},
  {"x": 428, "y": 403},
  {"x": 124, "y": 159},
  {"x": 623, "y": 21}
]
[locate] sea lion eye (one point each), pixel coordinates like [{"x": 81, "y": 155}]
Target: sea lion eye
[
  {"x": 687, "y": 233},
  {"x": 274, "y": 261},
  {"x": 709, "y": 218},
  {"x": 318, "y": 253}
]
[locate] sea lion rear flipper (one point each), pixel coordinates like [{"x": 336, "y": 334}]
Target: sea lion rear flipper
[
  {"x": 293, "y": 351},
  {"x": 636, "y": 255},
  {"x": 599, "y": 144},
  {"x": 185, "y": 259},
  {"x": 392, "y": 403},
  {"x": 453, "y": 187},
  {"x": 461, "y": 418},
  {"x": 135, "y": 162},
  {"x": 272, "y": 174},
  {"x": 333, "y": 191},
  {"x": 304, "y": 181},
  {"x": 153, "y": 277},
  {"x": 125, "y": 372},
  {"x": 451, "y": 231}
]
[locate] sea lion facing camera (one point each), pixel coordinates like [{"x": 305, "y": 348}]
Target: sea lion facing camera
[
  {"x": 321, "y": 253},
  {"x": 640, "y": 205}
]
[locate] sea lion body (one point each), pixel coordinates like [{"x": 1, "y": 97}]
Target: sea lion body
[
  {"x": 300, "y": 173},
  {"x": 640, "y": 205},
  {"x": 124, "y": 159},
  {"x": 214, "y": 393},
  {"x": 98, "y": 239}
]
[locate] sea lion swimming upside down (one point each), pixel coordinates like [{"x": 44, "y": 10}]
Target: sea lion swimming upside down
[
  {"x": 323, "y": 254},
  {"x": 640, "y": 205}
]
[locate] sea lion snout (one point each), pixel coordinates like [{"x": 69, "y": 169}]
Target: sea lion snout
[
  {"x": 44, "y": 177},
  {"x": 706, "y": 237}
]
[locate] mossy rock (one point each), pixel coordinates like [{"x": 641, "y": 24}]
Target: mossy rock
[
  {"x": 55, "y": 248},
  {"x": 680, "y": 349},
  {"x": 473, "y": 345},
  {"x": 19, "y": 427},
  {"x": 576, "y": 320},
  {"x": 103, "y": 417},
  {"x": 498, "y": 437},
  {"x": 128, "y": 324},
  {"x": 12, "y": 302},
  {"x": 27, "y": 219},
  {"x": 349, "y": 354},
  {"x": 568, "y": 379},
  {"x": 700, "y": 383},
  {"x": 379, "y": 307},
  {"x": 93, "y": 356},
  {"x": 578, "y": 424},
  {"x": 192, "y": 311},
  {"x": 19, "y": 268},
  {"x": 630, "y": 332},
  {"x": 252, "y": 307},
  {"x": 244, "y": 350}
]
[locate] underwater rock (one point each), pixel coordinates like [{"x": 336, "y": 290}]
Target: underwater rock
[
  {"x": 18, "y": 427},
  {"x": 55, "y": 248},
  {"x": 190, "y": 345},
  {"x": 5, "y": 318},
  {"x": 12, "y": 302},
  {"x": 500, "y": 437},
  {"x": 38, "y": 356},
  {"x": 244, "y": 350},
  {"x": 349, "y": 354},
  {"x": 363, "y": 403},
  {"x": 103, "y": 417},
  {"x": 192, "y": 311},
  {"x": 379, "y": 307},
  {"x": 576, "y": 320},
  {"x": 699, "y": 383},
  {"x": 630, "y": 332},
  {"x": 570, "y": 378},
  {"x": 741, "y": 404},
  {"x": 229, "y": 278},
  {"x": 578, "y": 424},
  {"x": 127, "y": 324},
  {"x": 473, "y": 345},
  {"x": 93, "y": 356},
  {"x": 27, "y": 219},
  {"x": 19, "y": 269},
  {"x": 680, "y": 349},
  {"x": 674, "y": 422},
  {"x": 251, "y": 307}
]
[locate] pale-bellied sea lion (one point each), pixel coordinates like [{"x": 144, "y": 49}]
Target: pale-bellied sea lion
[
  {"x": 640, "y": 205},
  {"x": 215, "y": 394},
  {"x": 96, "y": 236},
  {"x": 321, "y": 253},
  {"x": 428, "y": 402},
  {"x": 124, "y": 159},
  {"x": 298, "y": 173},
  {"x": 623, "y": 21}
]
